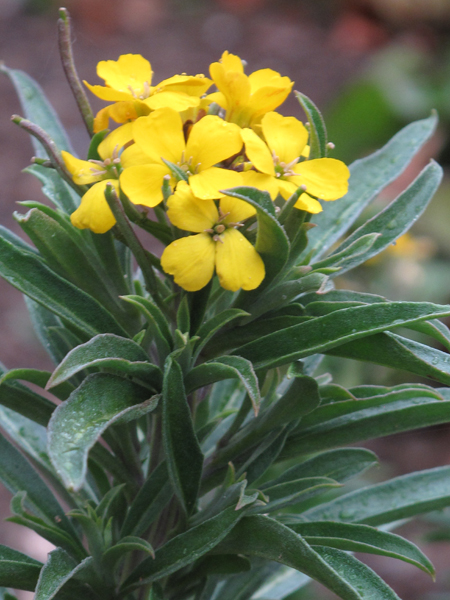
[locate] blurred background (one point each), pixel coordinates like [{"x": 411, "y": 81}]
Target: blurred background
[{"x": 371, "y": 66}]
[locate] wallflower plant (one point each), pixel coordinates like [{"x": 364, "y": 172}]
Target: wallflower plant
[{"x": 188, "y": 446}]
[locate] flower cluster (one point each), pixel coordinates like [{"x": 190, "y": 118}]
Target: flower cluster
[{"x": 175, "y": 136}]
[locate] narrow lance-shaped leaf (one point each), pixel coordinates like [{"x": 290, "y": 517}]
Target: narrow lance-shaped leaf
[
  {"x": 101, "y": 400},
  {"x": 184, "y": 549},
  {"x": 362, "y": 538},
  {"x": 335, "y": 329},
  {"x": 181, "y": 447},
  {"x": 57, "y": 571},
  {"x": 111, "y": 352},
  {"x": 55, "y": 188},
  {"x": 395, "y": 219},
  {"x": 398, "y": 498},
  {"x": 368, "y": 176},
  {"x": 226, "y": 367},
  {"x": 32, "y": 277},
  {"x": 317, "y": 130},
  {"x": 18, "y": 570}
]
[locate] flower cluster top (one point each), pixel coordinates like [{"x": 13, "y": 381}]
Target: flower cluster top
[{"x": 179, "y": 147}]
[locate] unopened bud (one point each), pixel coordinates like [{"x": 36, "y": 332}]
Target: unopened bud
[{"x": 331, "y": 146}]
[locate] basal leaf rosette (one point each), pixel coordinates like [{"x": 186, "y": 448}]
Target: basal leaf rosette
[
  {"x": 218, "y": 244},
  {"x": 128, "y": 83}
]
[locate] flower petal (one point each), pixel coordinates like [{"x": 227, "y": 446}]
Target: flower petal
[
  {"x": 326, "y": 178},
  {"x": 82, "y": 171},
  {"x": 231, "y": 62},
  {"x": 287, "y": 188},
  {"x": 212, "y": 140},
  {"x": 101, "y": 120},
  {"x": 286, "y": 136},
  {"x": 206, "y": 184},
  {"x": 260, "y": 181},
  {"x": 160, "y": 134},
  {"x": 115, "y": 141},
  {"x": 175, "y": 100},
  {"x": 130, "y": 70},
  {"x": 133, "y": 156},
  {"x": 238, "y": 265},
  {"x": 238, "y": 210},
  {"x": 258, "y": 152},
  {"x": 188, "y": 212},
  {"x": 311, "y": 205},
  {"x": 193, "y": 85},
  {"x": 190, "y": 260},
  {"x": 106, "y": 93},
  {"x": 142, "y": 184},
  {"x": 122, "y": 112},
  {"x": 94, "y": 212}
]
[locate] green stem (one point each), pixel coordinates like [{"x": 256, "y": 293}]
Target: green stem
[
  {"x": 65, "y": 51},
  {"x": 133, "y": 243},
  {"x": 51, "y": 149}
]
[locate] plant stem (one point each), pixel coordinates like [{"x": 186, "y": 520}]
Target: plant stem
[{"x": 65, "y": 51}]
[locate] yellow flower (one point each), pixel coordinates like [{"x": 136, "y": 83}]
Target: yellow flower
[
  {"x": 128, "y": 84},
  {"x": 247, "y": 98},
  {"x": 160, "y": 136},
  {"x": 279, "y": 171},
  {"x": 218, "y": 244},
  {"x": 94, "y": 212}
]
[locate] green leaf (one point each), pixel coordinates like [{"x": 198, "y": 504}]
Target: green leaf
[
  {"x": 213, "y": 325},
  {"x": 363, "y": 580},
  {"x": 65, "y": 252},
  {"x": 32, "y": 277},
  {"x": 266, "y": 538},
  {"x": 389, "y": 501},
  {"x": 18, "y": 570},
  {"x": 184, "y": 549},
  {"x": 123, "y": 547},
  {"x": 152, "y": 497},
  {"x": 157, "y": 321},
  {"x": 39, "y": 378},
  {"x": 101, "y": 400},
  {"x": 317, "y": 130},
  {"x": 340, "y": 465},
  {"x": 38, "y": 109},
  {"x": 324, "y": 333},
  {"x": 183, "y": 454},
  {"x": 57, "y": 571},
  {"x": 17, "y": 475},
  {"x": 351, "y": 256},
  {"x": 272, "y": 243},
  {"x": 362, "y": 538},
  {"x": 225, "y": 367},
  {"x": 110, "y": 352},
  {"x": 368, "y": 177},
  {"x": 55, "y": 188},
  {"x": 291, "y": 492},
  {"x": 394, "y": 220},
  {"x": 362, "y": 419}
]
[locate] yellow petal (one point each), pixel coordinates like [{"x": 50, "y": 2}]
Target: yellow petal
[
  {"x": 142, "y": 184},
  {"x": 238, "y": 265},
  {"x": 193, "y": 85},
  {"x": 218, "y": 98},
  {"x": 258, "y": 152},
  {"x": 82, "y": 171},
  {"x": 238, "y": 210},
  {"x": 286, "y": 136},
  {"x": 305, "y": 202},
  {"x": 326, "y": 178},
  {"x": 287, "y": 188},
  {"x": 160, "y": 135},
  {"x": 175, "y": 100},
  {"x": 269, "y": 90},
  {"x": 101, "y": 120},
  {"x": 190, "y": 260},
  {"x": 115, "y": 141},
  {"x": 206, "y": 184},
  {"x": 122, "y": 112},
  {"x": 94, "y": 212},
  {"x": 231, "y": 62},
  {"x": 265, "y": 183},
  {"x": 188, "y": 212},
  {"x": 130, "y": 70},
  {"x": 106, "y": 93},
  {"x": 234, "y": 85},
  {"x": 133, "y": 156},
  {"x": 212, "y": 140}
]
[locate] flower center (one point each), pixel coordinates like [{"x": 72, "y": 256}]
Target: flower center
[
  {"x": 187, "y": 166},
  {"x": 146, "y": 91},
  {"x": 109, "y": 166},
  {"x": 283, "y": 169},
  {"x": 218, "y": 228}
]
